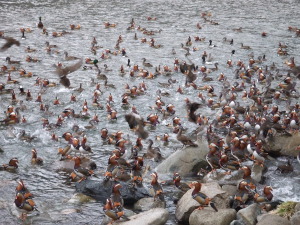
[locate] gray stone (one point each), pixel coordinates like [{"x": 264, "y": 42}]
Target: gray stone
[
  {"x": 223, "y": 179},
  {"x": 184, "y": 160},
  {"x": 146, "y": 204},
  {"x": 186, "y": 205},
  {"x": 81, "y": 198},
  {"x": 102, "y": 190},
  {"x": 230, "y": 189},
  {"x": 272, "y": 219},
  {"x": 237, "y": 222},
  {"x": 297, "y": 207},
  {"x": 249, "y": 214},
  {"x": 295, "y": 220},
  {"x": 210, "y": 217},
  {"x": 157, "y": 216},
  {"x": 284, "y": 144},
  {"x": 257, "y": 172}
]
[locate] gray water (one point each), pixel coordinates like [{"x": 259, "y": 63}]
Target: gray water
[{"x": 177, "y": 20}]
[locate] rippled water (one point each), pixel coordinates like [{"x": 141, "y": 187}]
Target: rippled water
[{"x": 177, "y": 20}]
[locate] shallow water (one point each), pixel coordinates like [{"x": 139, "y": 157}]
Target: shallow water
[{"x": 177, "y": 20}]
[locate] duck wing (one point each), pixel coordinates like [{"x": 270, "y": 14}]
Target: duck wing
[
  {"x": 9, "y": 42},
  {"x": 62, "y": 72}
]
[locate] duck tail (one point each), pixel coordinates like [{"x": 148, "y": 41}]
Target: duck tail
[{"x": 214, "y": 206}]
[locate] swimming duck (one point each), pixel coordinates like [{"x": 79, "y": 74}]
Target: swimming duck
[
  {"x": 158, "y": 191},
  {"x": 35, "y": 159},
  {"x": 200, "y": 197},
  {"x": 245, "y": 47},
  {"x": 69, "y": 58},
  {"x": 12, "y": 166},
  {"x": 40, "y": 24},
  {"x": 25, "y": 205}
]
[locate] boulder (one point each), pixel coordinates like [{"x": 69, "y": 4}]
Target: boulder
[
  {"x": 81, "y": 198},
  {"x": 297, "y": 207},
  {"x": 210, "y": 217},
  {"x": 284, "y": 144},
  {"x": 184, "y": 161},
  {"x": 100, "y": 190},
  {"x": 257, "y": 172},
  {"x": 230, "y": 189},
  {"x": 186, "y": 205},
  {"x": 223, "y": 179},
  {"x": 295, "y": 220},
  {"x": 272, "y": 220},
  {"x": 249, "y": 214},
  {"x": 146, "y": 204},
  {"x": 157, "y": 216}
]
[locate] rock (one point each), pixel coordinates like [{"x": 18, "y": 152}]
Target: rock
[
  {"x": 257, "y": 172},
  {"x": 237, "y": 222},
  {"x": 220, "y": 177},
  {"x": 127, "y": 213},
  {"x": 272, "y": 220},
  {"x": 81, "y": 198},
  {"x": 146, "y": 204},
  {"x": 210, "y": 217},
  {"x": 297, "y": 207},
  {"x": 157, "y": 216},
  {"x": 295, "y": 220},
  {"x": 102, "y": 190},
  {"x": 230, "y": 189},
  {"x": 284, "y": 144},
  {"x": 249, "y": 214},
  {"x": 186, "y": 205},
  {"x": 69, "y": 211},
  {"x": 184, "y": 161}
]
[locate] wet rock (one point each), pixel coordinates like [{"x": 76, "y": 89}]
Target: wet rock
[
  {"x": 295, "y": 220},
  {"x": 184, "y": 160},
  {"x": 127, "y": 213},
  {"x": 210, "y": 217},
  {"x": 284, "y": 144},
  {"x": 237, "y": 222},
  {"x": 69, "y": 211},
  {"x": 249, "y": 214},
  {"x": 223, "y": 179},
  {"x": 230, "y": 189},
  {"x": 297, "y": 207},
  {"x": 146, "y": 204},
  {"x": 257, "y": 172},
  {"x": 81, "y": 198},
  {"x": 272, "y": 220},
  {"x": 187, "y": 204},
  {"x": 102, "y": 190},
  {"x": 157, "y": 216}
]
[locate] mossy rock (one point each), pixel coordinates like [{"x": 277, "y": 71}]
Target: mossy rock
[{"x": 286, "y": 209}]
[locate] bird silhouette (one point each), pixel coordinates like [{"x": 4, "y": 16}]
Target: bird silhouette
[
  {"x": 63, "y": 72},
  {"x": 9, "y": 42}
]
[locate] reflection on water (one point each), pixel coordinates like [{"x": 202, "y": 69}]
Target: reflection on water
[{"x": 177, "y": 20}]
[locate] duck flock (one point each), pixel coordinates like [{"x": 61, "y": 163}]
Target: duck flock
[{"x": 115, "y": 113}]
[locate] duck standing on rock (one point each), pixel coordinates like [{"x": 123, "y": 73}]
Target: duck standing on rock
[
  {"x": 111, "y": 212},
  {"x": 184, "y": 139},
  {"x": 158, "y": 191},
  {"x": 201, "y": 197},
  {"x": 180, "y": 185}
]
